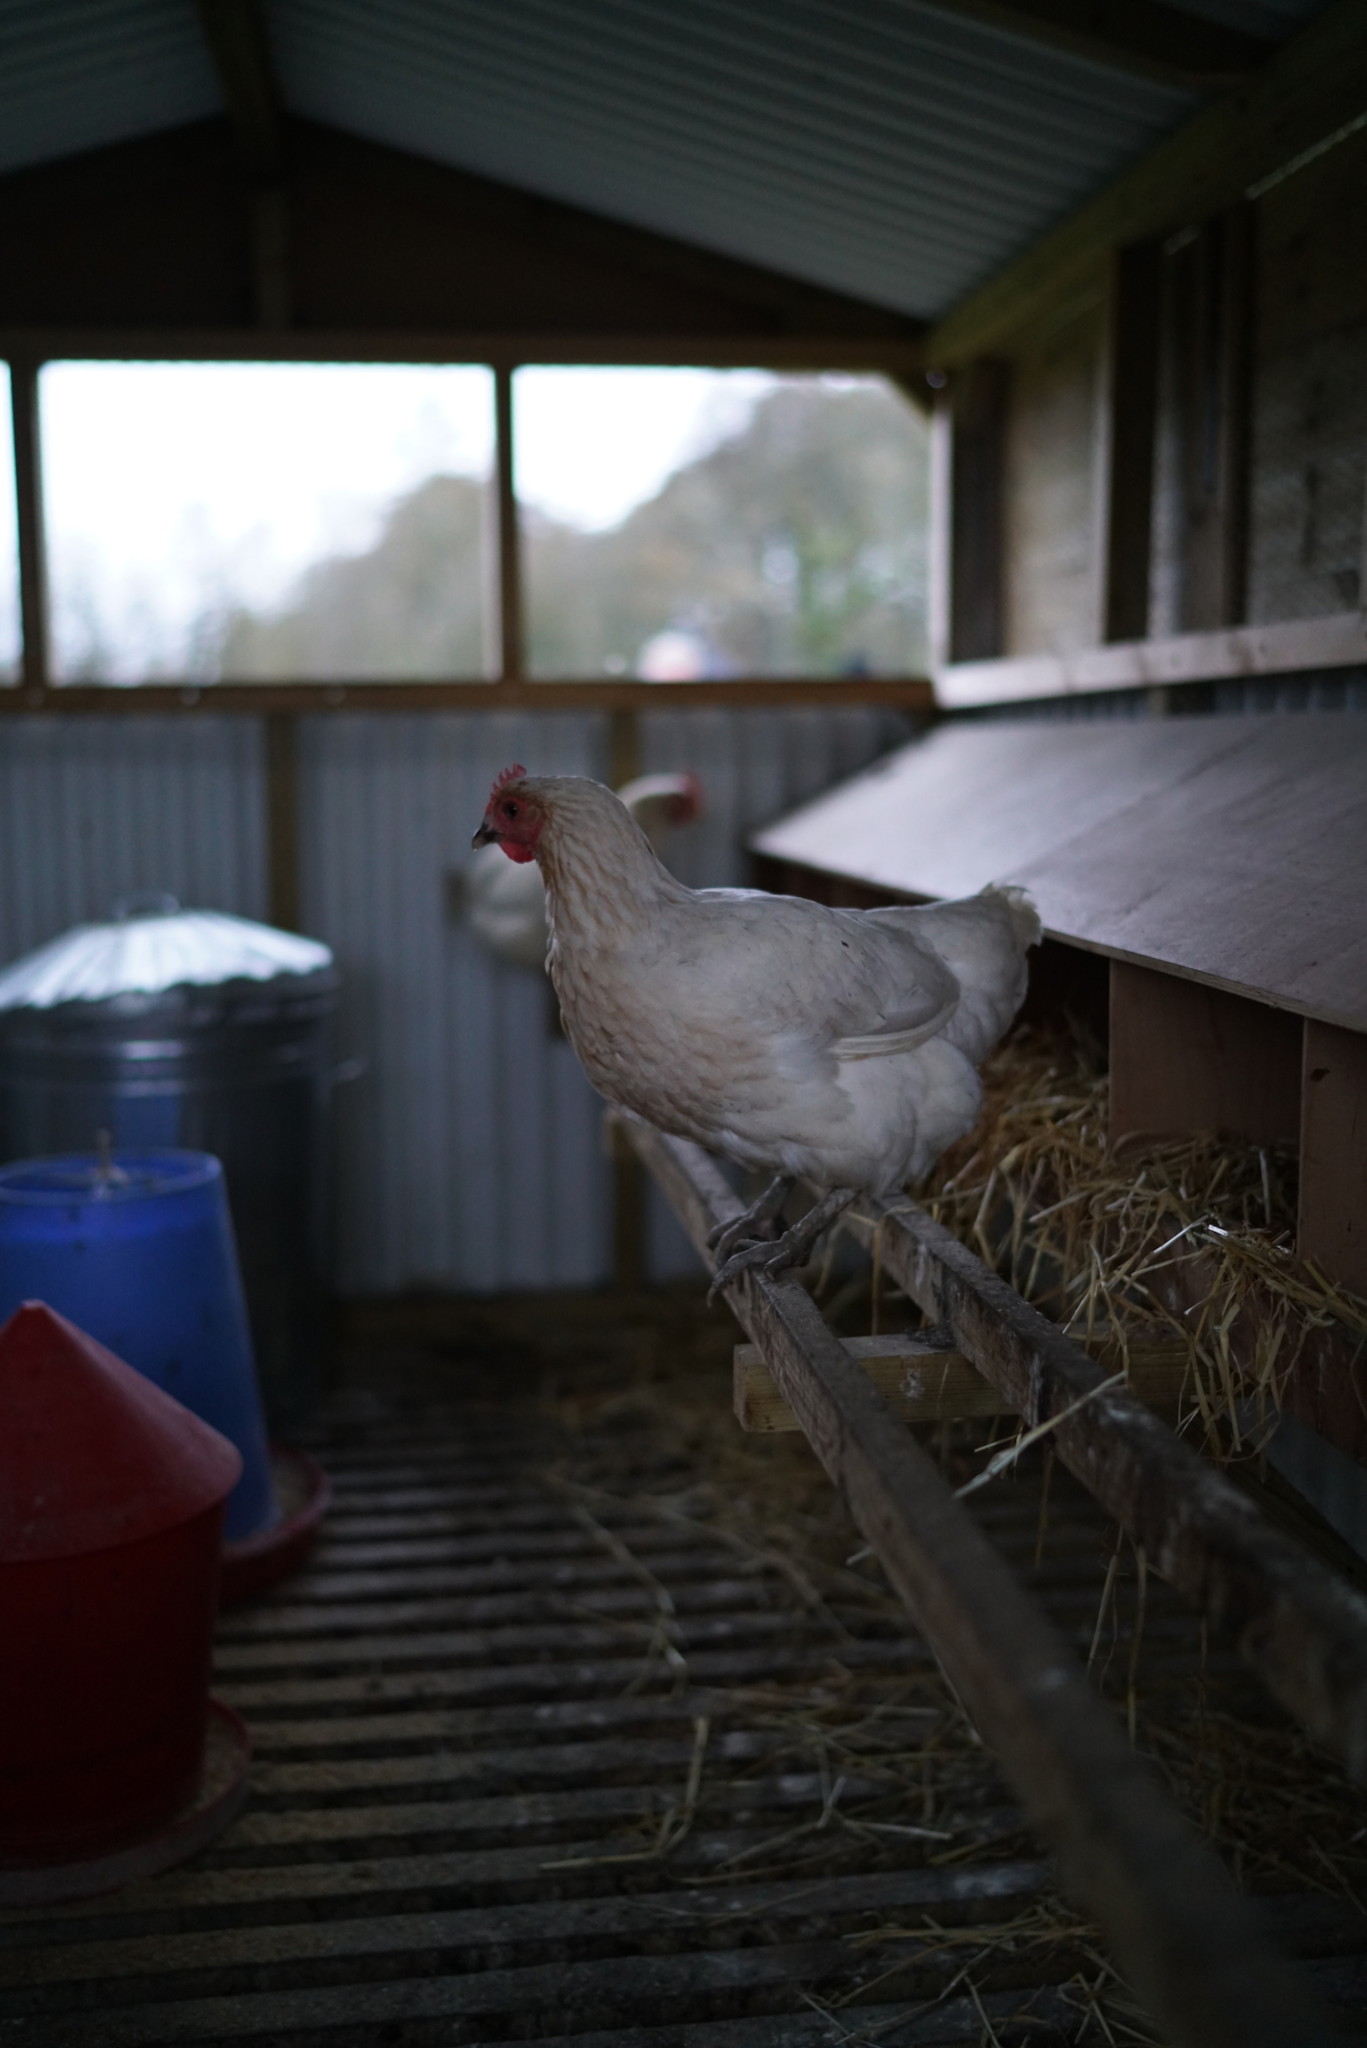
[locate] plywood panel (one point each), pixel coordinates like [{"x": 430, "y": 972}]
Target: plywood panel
[
  {"x": 1053, "y": 525},
  {"x": 1229, "y": 850},
  {"x": 1187, "y": 1058},
  {"x": 1333, "y": 1211}
]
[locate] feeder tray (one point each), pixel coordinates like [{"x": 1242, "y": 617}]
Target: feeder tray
[
  {"x": 254, "y": 1563},
  {"x": 217, "y": 1799}
]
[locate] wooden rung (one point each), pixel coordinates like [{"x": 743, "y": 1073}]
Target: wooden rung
[{"x": 928, "y": 1381}]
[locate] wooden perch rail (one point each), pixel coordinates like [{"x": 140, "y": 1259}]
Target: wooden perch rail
[
  {"x": 924, "y": 1379},
  {"x": 1193, "y": 1949},
  {"x": 1299, "y": 1626}
]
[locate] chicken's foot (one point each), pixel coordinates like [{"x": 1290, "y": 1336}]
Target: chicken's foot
[
  {"x": 751, "y": 1223},
  {"x": 791, "y": 1249}
]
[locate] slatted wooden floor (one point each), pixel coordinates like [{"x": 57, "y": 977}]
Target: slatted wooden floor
[{"x": 580, "y": 1728}]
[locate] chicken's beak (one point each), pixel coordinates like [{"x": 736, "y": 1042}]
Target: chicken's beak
[{"x": 485, "y": 836}]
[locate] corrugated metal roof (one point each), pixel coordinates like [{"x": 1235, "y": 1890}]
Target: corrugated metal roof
[
  {"x": 75, "y": 74},
  {"x": 886, "y": 149},
  {"x": 892, "y": 149}
]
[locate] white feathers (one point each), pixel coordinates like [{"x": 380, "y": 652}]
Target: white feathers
[
  {"x": 505, "y": 904},
  {"x": 835, "y": 1044}
]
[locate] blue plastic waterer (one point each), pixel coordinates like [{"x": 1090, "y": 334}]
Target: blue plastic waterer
[{"x": 137, "y": 1250}]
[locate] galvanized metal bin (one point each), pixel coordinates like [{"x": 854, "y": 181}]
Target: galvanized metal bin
[{"x": 193, "y": 1029}]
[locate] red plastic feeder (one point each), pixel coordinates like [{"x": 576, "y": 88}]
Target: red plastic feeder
[{"x": 111, "y": 1523}]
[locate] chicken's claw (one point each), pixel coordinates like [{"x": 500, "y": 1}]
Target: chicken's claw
[
  {"x": 750, "y": 1225},
  {"x": 773, "y": 1257}
]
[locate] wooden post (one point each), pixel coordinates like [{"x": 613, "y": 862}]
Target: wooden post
[
  {"x": 1185, "y": 1058},
  {"x": 509, "y": 664},
  {"x": 282, "y": 819},
  {"x": 978, "y": 413},
  {"x": 1129, "y": 418},
  {"x": 28, "y": 486},
  {"x": 1332, "y": 1230}
]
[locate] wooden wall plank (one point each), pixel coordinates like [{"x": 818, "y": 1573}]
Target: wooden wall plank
[
  {"x": 1052, "y": 524},
  {"x": 1186, "y": 1058},
  {"x": 1129, "y": 422},
  {"x": 1336, "y": 641},
  {"x": 1311, "y": 89},
  {"x": 1333, "y": 1198},
  {"x": 978, "y": 402}
]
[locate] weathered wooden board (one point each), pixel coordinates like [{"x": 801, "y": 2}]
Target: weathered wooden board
[
  {"x": 1229, "y": 850},
  {"x": 1298, "y": 1625},
  {"x": 1189, "y": 1058},
  {"x": 923, "y": 1379},
  {"x": 1332, "y": 1229},
  {"x": 1168, "y": 1908}
]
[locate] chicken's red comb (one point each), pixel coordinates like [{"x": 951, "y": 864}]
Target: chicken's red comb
[{"x": 513, "y": 774}]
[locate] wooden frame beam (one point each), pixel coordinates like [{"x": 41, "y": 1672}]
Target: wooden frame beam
[
  {"x": 924, "y": 1379},
  {"x": 235, "y": 31},
  {"x": 1300, "y": 99},
  {"x": 896, "y": 355},
  {"x": 1143, "y": 36},
  {"x": 1338, "y": 641},
  {"x": 913, "y": 694},
  {"x": 1192, "y": 1948},
  {"x": 1294, "y": 1622},
  {"x": 34, "y": 665}
]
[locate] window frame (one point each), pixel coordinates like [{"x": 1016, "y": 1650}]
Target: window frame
[{"x": 509, "y": 688}]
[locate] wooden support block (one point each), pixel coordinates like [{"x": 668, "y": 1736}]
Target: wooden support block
[
  {"x": 1187, "y": 1058},
  {"x": 927, "y": 1380},
  {"x": 1332, "y": 1228}
]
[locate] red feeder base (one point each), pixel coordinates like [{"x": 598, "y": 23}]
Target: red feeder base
[
  {"x": 217, "y": 1800},
  {"x": 305, "y": 1493}
]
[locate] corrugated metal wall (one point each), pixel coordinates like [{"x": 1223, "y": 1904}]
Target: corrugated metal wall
[
  {"x": 469, "y": 1153},
  {"x": 93, "y": 807}
]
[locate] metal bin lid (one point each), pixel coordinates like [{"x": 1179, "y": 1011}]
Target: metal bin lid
[{"x": 144, "y": 951}]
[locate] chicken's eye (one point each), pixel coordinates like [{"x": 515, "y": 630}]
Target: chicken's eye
[{"x": 510, "y": 810}]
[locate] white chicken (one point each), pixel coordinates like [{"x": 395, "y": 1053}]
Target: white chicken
[
  {"x": 506, "y": 906},
  {"x": 838, "y": 1046}
]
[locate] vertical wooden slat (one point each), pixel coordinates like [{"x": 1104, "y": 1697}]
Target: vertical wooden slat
[
  {"x": 1128, "y": 426},
  {"x": 978, "y": 409},
  {"x": 1220, "y": 368},
  {"x": 282, "y": 819},
  {"x": 28, "y": 485},
  {"x": 1332, "y": 1227},
  {"x": 510, "y": 662}
]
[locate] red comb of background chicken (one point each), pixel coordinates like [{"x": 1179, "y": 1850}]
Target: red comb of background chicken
[{"x": 513, "y": 774}]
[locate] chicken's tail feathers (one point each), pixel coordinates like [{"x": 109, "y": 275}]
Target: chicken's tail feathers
[{"x": 1020, "y": 908}]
